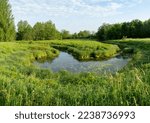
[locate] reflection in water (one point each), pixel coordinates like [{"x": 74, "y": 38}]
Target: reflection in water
[{"x": 67, "y": 62}]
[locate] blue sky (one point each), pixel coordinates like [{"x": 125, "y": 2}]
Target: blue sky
[{"x": 75, "y": 15}]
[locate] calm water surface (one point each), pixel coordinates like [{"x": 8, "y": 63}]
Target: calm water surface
[{"x": 67, "y": 62}]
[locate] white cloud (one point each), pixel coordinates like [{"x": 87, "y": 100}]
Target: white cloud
[{"x": 50, "y": 8}]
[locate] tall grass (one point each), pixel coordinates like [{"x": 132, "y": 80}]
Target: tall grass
[
  {"x": 87, "y": 50},
  {"x": 21, "y": 83}
]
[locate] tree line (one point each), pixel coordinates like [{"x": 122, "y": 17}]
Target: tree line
[
  {"x": 40, "y": 31},
  {"x": 133, "y": 29},
  {"x": 48, "y": 31}
]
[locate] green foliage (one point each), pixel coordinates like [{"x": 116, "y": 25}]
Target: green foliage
[
  {"x": 7, "y": 27},
  {"x": 22, "y": 84},
  {"x": 133, "y": 29},
  {"x": 86, "y": 50},
  {"x": 40, "y": 31},
  {"x": 45, "y": 31},
  {"x": 84, "y": 34},
  {"x": 65, "y": 34},
  {"x": 48, "y": 31},
  {"x": 25, "y": 31},
  {"x": 146, "y": 28}
]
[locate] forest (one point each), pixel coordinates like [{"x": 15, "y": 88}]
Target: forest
[{"x": 48, "y": 31}]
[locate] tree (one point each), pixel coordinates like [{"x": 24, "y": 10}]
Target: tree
[
  {"x": 133, "y": 29},
  {"x": 125, "y": 29},
  {"x": 58, "y": 35},
  {"x": 65, "y": 34},
  {"x": 114, "y": 32},
  {"x": 45, "y": 31},
  {"x": 50, "y": 31},
  {"x": 136, "y": 28},
  {"x": 25, "y": 31},
  {"x": 146, "y": 29},
  {"x": 38, "y": 31},
  {"x": 75, "y": 36},
  {"x": 7, "y": 27},
  {"x": 84, "y": 34},
  {"x": 102, "y": 33}
]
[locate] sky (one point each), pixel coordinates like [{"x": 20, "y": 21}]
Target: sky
[{"x": 76, "y": 15}]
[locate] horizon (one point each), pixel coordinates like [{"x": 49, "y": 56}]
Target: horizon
[{"x": 77, "y": 15}]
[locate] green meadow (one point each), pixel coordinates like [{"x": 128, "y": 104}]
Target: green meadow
[{"x": 24, "y": 84}]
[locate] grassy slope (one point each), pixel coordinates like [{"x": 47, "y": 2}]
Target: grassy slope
[{"x": 22, "y": 84}]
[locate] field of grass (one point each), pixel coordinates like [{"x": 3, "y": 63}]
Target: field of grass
[
  {"x": 87, "y": 50},
  {"x": 23, "y": 84},
  {"x": 84, "y": 50}
]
